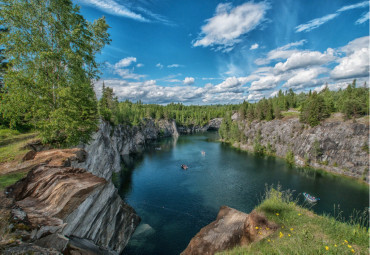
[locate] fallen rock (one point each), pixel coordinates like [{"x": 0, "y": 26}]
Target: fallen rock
[{"x": 231, "y": 228}]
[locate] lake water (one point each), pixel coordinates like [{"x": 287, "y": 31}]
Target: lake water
[{"x": 175, "y": 204}]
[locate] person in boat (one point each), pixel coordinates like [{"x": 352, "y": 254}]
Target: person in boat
[{"x": 184, "y": 166}]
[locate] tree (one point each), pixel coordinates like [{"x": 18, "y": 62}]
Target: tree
[
  {"x": 51, "y": 49},
  {"x": 314, "y": 110}
]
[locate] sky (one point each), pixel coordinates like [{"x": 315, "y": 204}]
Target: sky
[{"x": 222, "y": 52}]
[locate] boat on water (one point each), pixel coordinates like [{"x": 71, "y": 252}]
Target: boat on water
[
  {"x": 184, "y": 167},
  {"x": 310, "y": 198}
]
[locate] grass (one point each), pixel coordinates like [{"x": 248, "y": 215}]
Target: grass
[
  {"x": 11, "y": 178},
  {"x": 303, "y": 232},
  {"x": 12, "y": 144}
]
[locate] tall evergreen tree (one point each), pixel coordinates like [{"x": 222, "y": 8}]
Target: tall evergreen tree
[{"x": 52, "y": 49}]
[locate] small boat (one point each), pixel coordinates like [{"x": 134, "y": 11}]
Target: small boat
[
  {"x": 184, "y": 167},
  {"x": 310, "y": 198},
  {"x": 203, "y": 153}
]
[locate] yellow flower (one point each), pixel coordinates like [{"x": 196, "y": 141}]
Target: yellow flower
[
  {"x": 349, "y": 246},
  {"x": 267, "y": 228},
  {"x": 281, "y": 235},
  {"x": 288, "y": 234},
  {"x": 256, "y": 227},
  {"x": 335, "y": 245},
  {"x": 345, "y": 241},
  {"x": 327, "y": 248},
  {"x": 268, "y": 240},
  {"x": 299, "y": 214},
  {"x": 353, "y": 250},
  {"x": 291, "y": 229},
  {"x": 277, "y": 214}
]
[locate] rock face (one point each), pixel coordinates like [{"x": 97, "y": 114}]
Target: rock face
[
  {"x": 110, "y": 143},
  {"x": 335, "y": 146},
  {"x": 58, "y": 202},
  {"x": 214, "y": 124},
  {"x": 231, "y": 228}
]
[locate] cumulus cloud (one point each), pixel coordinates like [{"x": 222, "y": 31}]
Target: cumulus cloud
[
  {"x": 254, "y": 46},
  {"x": 315, "y": 23},
  {"x": 282, "y": 52},
  {"x": 363, "y": 19},
  {"x": 139, "y": 65},
  {"x": 305, "y": 59},
  {"x": 265, "y": 83},
  {"x": 188, "y": 80},
  {"x": 229, "y": 23},
  {"x": 122, "y": 69},
  {"x": 305, "y": 78}
]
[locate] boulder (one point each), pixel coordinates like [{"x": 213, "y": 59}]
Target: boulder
[{"x": 231, "y": 228}]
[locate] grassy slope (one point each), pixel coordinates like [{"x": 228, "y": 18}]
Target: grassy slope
[
  {"x": 12, "y": 148},
  {"x": 303, "y": 232}
]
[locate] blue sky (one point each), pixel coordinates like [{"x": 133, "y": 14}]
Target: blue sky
[{"x": 211, "y": 51}]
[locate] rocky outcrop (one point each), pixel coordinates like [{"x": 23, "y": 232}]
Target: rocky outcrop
[
  {"x": 213, "y": 124},
  {"x": 110, "y": 143},
  {"x": 231, "y": 228},
  {"x": 58, "y": 202},
  {"x": 336, "y": 146}
]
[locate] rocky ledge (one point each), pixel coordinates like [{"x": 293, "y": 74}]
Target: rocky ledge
[
  {"x": 57, "y": 208},
  {"x": 231, "y": 228}
]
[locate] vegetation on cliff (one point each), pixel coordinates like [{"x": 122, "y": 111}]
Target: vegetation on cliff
[{"x": 303, "y": 232}]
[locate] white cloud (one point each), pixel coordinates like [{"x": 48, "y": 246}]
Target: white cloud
[
  {"x": 282, "y": 52},
  {"x": 139, "y": 65},
  {"x": 174, "y": 66},
  {"x": 188, "y": 80},
  {"x": 255, "y": 96},
  {"x": 254, "y": 46},
  {"x": 363, "y": 19},
  {"x": 265, "y": 83},
  {"x": 125, "y": 62},
  {"x": 159, "y": 65},
  {"x": 228, "y": 24},
  {"x": 114, "y": 8},
  {"x": 315, "y": 23},
  {"x": 305, "y": 77},
  {"x": 353, "y": 66},
  {"x": 305, "y": 59}
]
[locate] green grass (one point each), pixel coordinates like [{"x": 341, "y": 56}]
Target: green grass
[
  {"x": 11, "y": 178},
  {"x": 12, "y": 144},
  {"x": 290, "y": 114},
  {"x": 303, "y": 232}
]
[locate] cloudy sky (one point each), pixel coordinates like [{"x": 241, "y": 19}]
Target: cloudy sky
[{"x": 212, "y": 51}]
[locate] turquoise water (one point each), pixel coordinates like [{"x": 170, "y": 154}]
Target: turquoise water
[{"x": 175, "y": 204}]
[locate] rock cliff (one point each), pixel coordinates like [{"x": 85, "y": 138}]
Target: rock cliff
[
  {"x": 214, "y": 124},
  {"x": 336, "y": 146},
  {"x": 110, "y": 143},
  {"x": 56, "y": 203}
]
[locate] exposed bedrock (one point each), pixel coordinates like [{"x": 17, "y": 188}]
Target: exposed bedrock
[
  {"x": 231, "y": 228},
  {"x": 58, "y": 202},
  {"x": 336, "y": 146}
]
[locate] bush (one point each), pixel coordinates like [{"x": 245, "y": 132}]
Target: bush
[{"x": 290, "y": 157}]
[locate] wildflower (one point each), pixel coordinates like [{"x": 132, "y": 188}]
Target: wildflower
[
  {"x": 291, "y": 229},
  {"x": 335, "y": 245},
  {"x": 281, "y": 235},
  {"x": 277, "y": 214},
  {"x": 345, "y": 241},
  {"x": 299, "y": 214},
  {"x": 353, "y": 251},
  {"x": 349, "y": 246},
  {"x": 327, "y": 248},
  {"x": 268, "y": 240},
  {"x": 257, "y": 227},
  {"x": 267, "y": 228},
  {"x": 288, "y": 234}
]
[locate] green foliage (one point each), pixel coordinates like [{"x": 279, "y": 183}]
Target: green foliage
[
  {"x": 365, "y": 147},
  {"x": 51, "y": 49},
  {"x": 9, "y": 179},
  {"x": 290, "y": 157},
  {"x": 314, "y": 109},
  {"x": 258, "y": 148},
  {"x": 316, "y": 149}
]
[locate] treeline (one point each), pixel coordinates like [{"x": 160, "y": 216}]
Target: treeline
[
  {"x": 130, "y": 113},
  {"x": 353, "y": 102}
]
